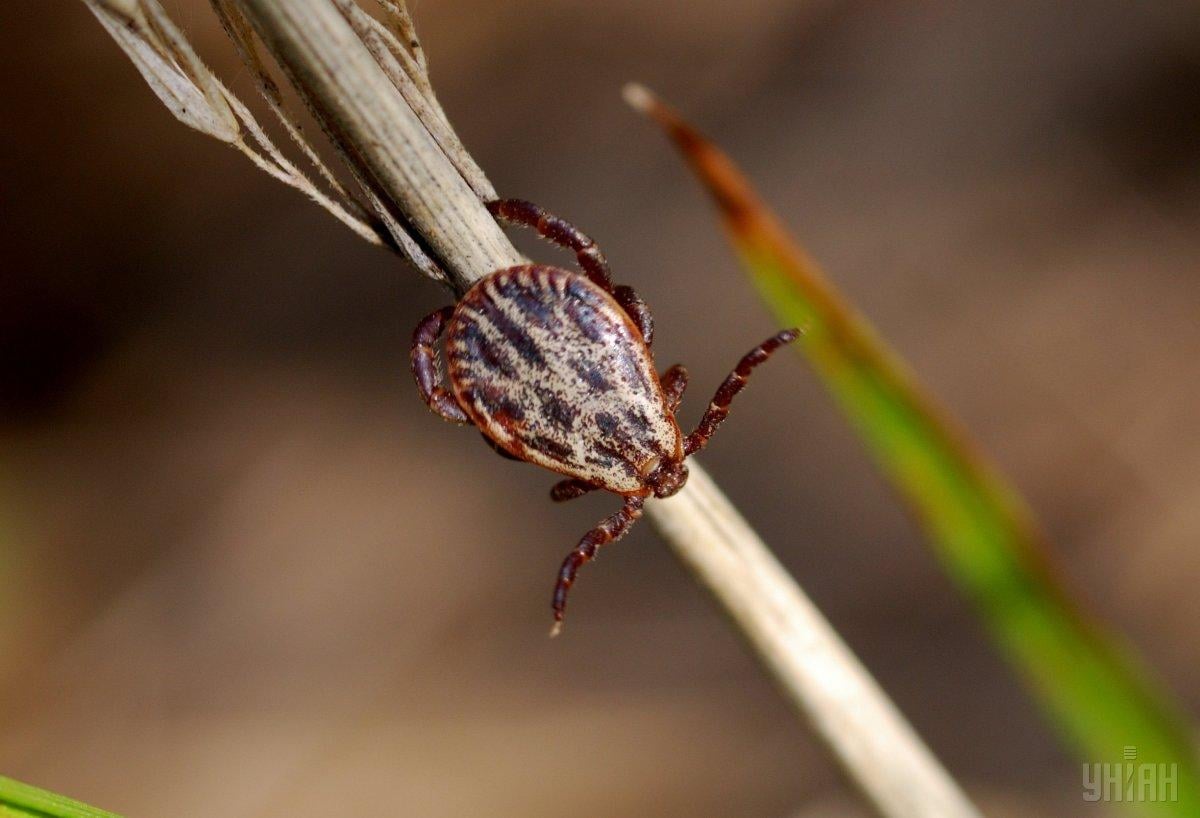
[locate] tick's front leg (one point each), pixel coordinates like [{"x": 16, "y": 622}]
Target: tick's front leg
[
  {"x": 612, "y": 528},
  {"x": 561, "y": 232},
  {"x": 637, "y": 309},
  {"x": 718, "y": 409},
  {"x": 674, "y": 381},
  {"x": 425, "y": 367}
]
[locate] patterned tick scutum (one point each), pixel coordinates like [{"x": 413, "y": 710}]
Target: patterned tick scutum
[{"x": 555, "y": 368}]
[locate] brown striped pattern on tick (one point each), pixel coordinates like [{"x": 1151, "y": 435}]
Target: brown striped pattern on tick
[
  {"x": 550, "y": 367},
  {"x": 555, "y": 368}
]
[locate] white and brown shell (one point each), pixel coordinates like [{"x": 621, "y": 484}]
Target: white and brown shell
[{"x": 552, "y": 370}]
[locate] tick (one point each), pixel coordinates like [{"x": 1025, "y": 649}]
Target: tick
[{"x": 555, "y": 369}]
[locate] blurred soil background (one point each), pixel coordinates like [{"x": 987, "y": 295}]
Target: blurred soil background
[{"x": 243, "y": 568}]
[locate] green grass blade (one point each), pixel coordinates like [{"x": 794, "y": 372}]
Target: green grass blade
[
  {"x": 1091, "y": 685},
  {"x": 23, "y": 801}
]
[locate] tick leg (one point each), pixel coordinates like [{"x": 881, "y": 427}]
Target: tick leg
[
  {"x": 636, "y": 308},
  {"x": 591, "y": 260},
  {"x": 612, "y": 528},
  {"x": 674, "y": 381},
  {"x": 560, "y": 232},
  {"x": 719, "y": 408},
  {"x": 425, "y": 367},
  {"x": 569, "y": 489}
]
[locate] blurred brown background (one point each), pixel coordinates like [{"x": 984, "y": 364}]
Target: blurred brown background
[{"x": 243, "y": 567}]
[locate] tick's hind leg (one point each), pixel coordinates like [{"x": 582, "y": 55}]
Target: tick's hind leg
[
  {"x": 569, "y": 489},
  {"x": 719, "y": 408},
  {"x": 591, "y": 260},
  {"x": 612, "y": 528},
  {"x": 425, "y": 367}
]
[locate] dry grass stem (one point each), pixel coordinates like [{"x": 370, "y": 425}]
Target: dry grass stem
[
  {"x": 369, "y": 89},
  {"x": 199, "y": 100},
  {"x": 404, "y": 64}
]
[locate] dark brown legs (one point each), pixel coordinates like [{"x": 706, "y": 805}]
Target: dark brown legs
[
  {"x": 636, "y": 309},
  {"x": 719, "y": 408},
  {"x": 425, "y": 367},
  {"x": 560, "y": 232},
  {"x": 674, "y": 381},
  {"x": 591, "y": 260},
  {"x": 569, "y": 489},
  {"x": 610, "y": 529}
]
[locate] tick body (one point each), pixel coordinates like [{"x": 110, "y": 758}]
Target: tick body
[
  {"x": 551, "y": 369},
  {"x": 555, "y": 368}
]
